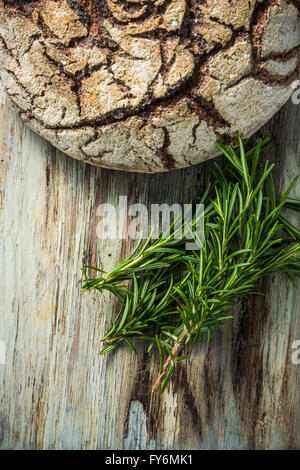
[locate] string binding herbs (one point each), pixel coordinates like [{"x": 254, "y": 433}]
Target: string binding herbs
[{"x": 172, "y": 298}]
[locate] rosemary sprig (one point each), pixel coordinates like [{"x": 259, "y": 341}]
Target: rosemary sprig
[{"x": 170, "y": 297}]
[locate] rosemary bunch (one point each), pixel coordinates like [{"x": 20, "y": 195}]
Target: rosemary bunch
[{"x": 170, "y": 297}]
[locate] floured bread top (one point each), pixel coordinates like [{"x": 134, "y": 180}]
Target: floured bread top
[{"x": 147, "y": 85}]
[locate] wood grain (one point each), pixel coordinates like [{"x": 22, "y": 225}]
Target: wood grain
[{"x": 56, "y": 392}]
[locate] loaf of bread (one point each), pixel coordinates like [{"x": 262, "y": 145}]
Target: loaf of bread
[{"x": 147, "y": 85}]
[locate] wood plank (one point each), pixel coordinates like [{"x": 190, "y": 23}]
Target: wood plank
[{"x": 56, "y": 392}]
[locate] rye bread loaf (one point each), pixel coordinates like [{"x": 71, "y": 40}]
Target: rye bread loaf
[{"x": 147, "y": 85}]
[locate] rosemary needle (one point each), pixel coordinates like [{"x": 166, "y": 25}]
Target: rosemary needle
[{"x": 175, "y": 296}]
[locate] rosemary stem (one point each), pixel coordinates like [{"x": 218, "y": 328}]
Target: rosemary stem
[
  {"x": 177, "y": 349},
  {"x": 111, "y": 277},
  {"x": 134, "y": 263}
]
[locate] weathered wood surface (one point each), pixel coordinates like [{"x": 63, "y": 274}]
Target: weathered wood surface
[{"x": 56, "y": 392}]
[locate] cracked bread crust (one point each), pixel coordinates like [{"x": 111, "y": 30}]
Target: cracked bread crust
[{"x": 147, "y": 85}]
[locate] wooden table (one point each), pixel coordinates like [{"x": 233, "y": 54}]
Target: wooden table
[{"x": 56, "y": 392}]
